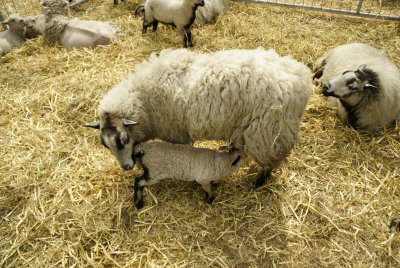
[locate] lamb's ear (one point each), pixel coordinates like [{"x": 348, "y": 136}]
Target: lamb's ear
[
  {"x": 4, "y": 23},
  {"x": 95, "y": 125},
  {"x": 128, "y": 122},
  {"x": 370, "y": 87}
]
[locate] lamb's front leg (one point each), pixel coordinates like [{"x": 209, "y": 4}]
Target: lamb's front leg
[
  {"x": 185, "y": 38},
  {"x": 140, "y": 182}
]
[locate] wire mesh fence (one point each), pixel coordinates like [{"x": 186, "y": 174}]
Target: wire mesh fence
[{"x": 385, "y": 9}]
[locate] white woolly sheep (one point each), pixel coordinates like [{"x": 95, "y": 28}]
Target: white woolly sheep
[
  {"x": 164, "y": 160},
  {"x": 364, "y": 85},
  {"x": 180, "y": 13},
  {"x": 252, "y": 98},
  {"x": 209, "y": 13},
  {"x": 34, "y": 26},
  {"x": 14, "y": 35},
  {"x": 206, "y": 14},
  {"x": 73, "y": 32}
]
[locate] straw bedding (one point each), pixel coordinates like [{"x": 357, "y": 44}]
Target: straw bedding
[{"x": 65, "y": 202}]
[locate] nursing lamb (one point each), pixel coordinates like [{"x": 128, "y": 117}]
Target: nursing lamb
[
  {"x": 252, "y": 98},
  {"x": 363, "y": 84},
  {"x": 164, "y": 160}
]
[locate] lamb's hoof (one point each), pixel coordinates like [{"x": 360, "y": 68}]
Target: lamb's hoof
[
  {"x": 139, "y": 204},
  {"x": 190, "y": 45},
  {"x": 262, "y": 178}
]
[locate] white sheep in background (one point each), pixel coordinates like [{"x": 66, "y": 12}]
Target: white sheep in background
[
  {"x": 206, "y": 14},
  {"x": 34, "y": 26},
  {"x": 180, "y": 13},
  {"x": 364, "y": 84},
  {"x": 73, "y": 32},
  {"x": 252, "y": 98},
  {"x": 14, "y": 36},
  {"x": 163, "y": 160},
  {"x": 209, "y": 13}
]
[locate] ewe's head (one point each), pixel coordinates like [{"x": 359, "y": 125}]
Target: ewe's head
[
  {"x": 15, "y": 23},
  {"x": 55, "y": 7},
  {"x": 198, "y": 3},
  {"x": 117, "y": 137},
  {"x": 361, "y": 81}
]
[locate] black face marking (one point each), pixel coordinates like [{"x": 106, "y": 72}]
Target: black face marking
[
  {"x": 352, "y": 116},
  {"x": 345, "y": 72},
  {"x": 118, "y": 142},
  {"x": 236, "y": 160},
  {"x": 351, "y": 81}
]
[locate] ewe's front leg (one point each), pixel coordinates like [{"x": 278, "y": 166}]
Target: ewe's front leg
[{"x": 185, "y": 38}]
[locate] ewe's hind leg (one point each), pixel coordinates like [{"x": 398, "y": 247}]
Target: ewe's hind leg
[
  {"x": 263, "y": 177},
  {"x": 207, "y": 187},
  {"x": 155, "y": 24}
]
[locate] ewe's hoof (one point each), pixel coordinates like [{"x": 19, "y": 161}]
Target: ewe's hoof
[
  {"x": 139, "y": 204},
  {"x": 209, "y": 199},
  {"x": 262, "y": 178}
]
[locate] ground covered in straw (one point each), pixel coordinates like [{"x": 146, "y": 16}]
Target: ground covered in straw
[{"x": 64, "y": 200}]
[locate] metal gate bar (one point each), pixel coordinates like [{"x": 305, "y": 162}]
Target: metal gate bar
[{"x": 358, "y": 11}]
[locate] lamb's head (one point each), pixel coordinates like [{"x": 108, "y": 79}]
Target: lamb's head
[
  {"x": 349, "y": 83},
  {"x": 55, "y": 7},
  {"x": 116, "y": 135},
  {"x": 31, "y": 30},
  {"x": 15, "y": 23}
]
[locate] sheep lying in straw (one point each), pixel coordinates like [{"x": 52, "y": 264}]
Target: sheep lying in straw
[
  {"x": 73, "y": 32},
  {"x": 14, "y": 35},
  {"x": 34, "y": 26},
  {"x": 180, "y": 13},
  {"x": 163, "y": 160},
  {"x": 365, "y": 84},
  {"x": 253, "y": 98}
]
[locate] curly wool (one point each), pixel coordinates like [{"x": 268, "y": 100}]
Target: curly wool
[
  {"x": 209, "y": 13},
  {"x": 253, "y": 98},
  {"x": 57, "y": 17}
]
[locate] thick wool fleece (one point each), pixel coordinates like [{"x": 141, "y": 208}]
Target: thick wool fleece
[
  {"x": 209, "y": 13},
  {"x": 253, "y": 98},
  {"x": 379, "y": 111}
]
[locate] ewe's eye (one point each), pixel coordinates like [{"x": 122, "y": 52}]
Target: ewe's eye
[{"x": 351, "y": 84}]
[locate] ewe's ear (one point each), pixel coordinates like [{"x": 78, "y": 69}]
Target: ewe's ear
[
  {"x": 128, "y": 122},
  {"x": 362, "y": 67},
  {"x": 370, "y": 87},
  {"x": 95, "y": 125}
]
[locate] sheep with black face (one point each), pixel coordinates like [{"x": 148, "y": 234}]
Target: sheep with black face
[{"x": 362, "y": 83}]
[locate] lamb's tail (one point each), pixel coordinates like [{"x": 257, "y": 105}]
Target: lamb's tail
[
  {"x": 139, "y": 10},
  {"x": 209, "y": 13}
]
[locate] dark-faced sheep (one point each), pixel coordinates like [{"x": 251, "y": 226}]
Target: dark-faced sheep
[
  {"x": 163, "y": 160},
  {"x": 252, "y": 98},
  {"x": 364, "y": 84}
]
